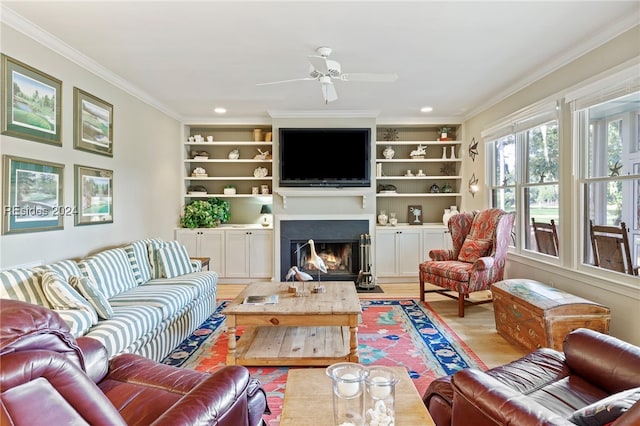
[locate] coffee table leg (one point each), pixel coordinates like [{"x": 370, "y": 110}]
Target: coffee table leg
[
  {"x": 231, "y": 336},
  {"x": 353, "y": 339}
]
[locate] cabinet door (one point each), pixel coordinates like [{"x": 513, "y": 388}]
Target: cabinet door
[
  {"x": 385, "y": 246},
  {"x": 237, "y": 254},
  {"x": 409, "y": 252},
  {"x": 189, "y": 239},
  {"x": 432, "y": 239},
  {"x": 261, "y": 254},
  {"x": 211, "y": 245}
]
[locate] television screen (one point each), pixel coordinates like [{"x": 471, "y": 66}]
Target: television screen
[{"x": 325, "y": 157}]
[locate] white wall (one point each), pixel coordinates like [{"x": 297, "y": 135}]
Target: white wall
[
  {"x": 146, "y": 164},
  {"x": 622, "y": 298}
]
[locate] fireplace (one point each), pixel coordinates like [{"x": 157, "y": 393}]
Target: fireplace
[{"x": 336, "y": 242}]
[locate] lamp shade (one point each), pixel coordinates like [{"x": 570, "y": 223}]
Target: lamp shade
[{"x": 266, "y": 209}]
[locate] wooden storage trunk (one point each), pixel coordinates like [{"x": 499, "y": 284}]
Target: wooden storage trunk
[{"x": 533, "y": 315}]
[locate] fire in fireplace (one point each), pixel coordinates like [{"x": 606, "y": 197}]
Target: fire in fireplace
[{"x": 337, "y": 257}]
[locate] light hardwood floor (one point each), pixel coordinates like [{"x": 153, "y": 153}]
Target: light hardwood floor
[{"x": 477, "y": 329}]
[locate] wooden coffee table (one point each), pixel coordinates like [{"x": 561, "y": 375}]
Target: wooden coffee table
[
  {"x": 319, "y": 329},
  {"x": 308, "y": 400}
]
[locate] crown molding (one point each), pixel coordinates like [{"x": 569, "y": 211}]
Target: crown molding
[
  {"x": 29, "y": 29},
  {"x": 324, "y": 114}
]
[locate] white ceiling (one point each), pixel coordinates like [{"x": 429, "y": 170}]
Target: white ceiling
[{"x": 186, "y": 57}]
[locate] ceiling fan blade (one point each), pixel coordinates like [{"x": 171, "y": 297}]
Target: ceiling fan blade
[
  {"x": 329, "y": 92},
  {"x": 319, "y": 64},
  {"x": 285, "y": 81},
  {"x": 363, "y": 76}
]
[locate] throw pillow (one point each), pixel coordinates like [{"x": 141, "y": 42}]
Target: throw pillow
[
  {"x": 90, "y": 291},
  {"x": 606, "y": 410},
  {"x": 62, "y": 296},
  {"x": 174, "y": 261},
  {"x": 473, "y": 250}
]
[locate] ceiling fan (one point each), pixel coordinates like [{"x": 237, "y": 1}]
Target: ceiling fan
[{"x": 326, "y": 71}]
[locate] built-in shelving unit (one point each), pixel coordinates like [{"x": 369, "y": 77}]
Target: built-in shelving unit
[
  {"x": 222, "y": 171},
  {"x": 406, "y": 179}
]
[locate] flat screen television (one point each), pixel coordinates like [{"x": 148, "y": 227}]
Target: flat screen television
[{"x": 327, "y": 157}]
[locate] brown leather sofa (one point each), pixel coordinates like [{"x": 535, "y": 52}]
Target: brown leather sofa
[
  {"x": 47, "y": 377},
  {"x": 545, "y": 387}
]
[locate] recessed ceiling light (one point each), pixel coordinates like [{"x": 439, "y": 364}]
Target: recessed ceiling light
[
  {"x": 426, "y": 109},
  {"x": 219, "y": 110}
]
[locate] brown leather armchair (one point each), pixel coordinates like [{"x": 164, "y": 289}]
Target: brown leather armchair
[
  {"x": 545, "y": 387},
  {"x": 47, "y": 377}
]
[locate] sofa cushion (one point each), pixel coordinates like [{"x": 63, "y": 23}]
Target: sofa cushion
[
  {"x": 110, "y": 270},
  {"x": 154, "y": 258},
  {"x": 168, "y": 299},
  {"x": 138, "y": 254},
  {"x": 61, "y": 295},
  {"x": 473, "y": 250},
  {"x": 606, "y": 410},
  {"x": 23, "y": 285},
  {"x": 203, "y": 283},
  {"x": 66, "y": 268},
  {"x": 78, "y": 320},
  {"x": 94, "y": 296},
  {"x": 127, "y": 325},
  {"x": 174, "y": 261}
]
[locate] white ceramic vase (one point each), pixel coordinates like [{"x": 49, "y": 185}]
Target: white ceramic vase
[{"x": 446, "y": 216}]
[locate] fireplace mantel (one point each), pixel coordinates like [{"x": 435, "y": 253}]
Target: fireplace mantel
[{"x": 321, "y": 192}]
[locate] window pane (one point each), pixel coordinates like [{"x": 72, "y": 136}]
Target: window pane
[
  {"x": 543, "y": 150},
  {"x": 543, "y": 206},
  {"x": 505, "y": 161},
  {"x": 504, "y": 199}
]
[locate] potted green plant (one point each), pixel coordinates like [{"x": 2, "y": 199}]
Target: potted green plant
[
  {"x": 205, "y": 214},
  {"x": 229, "y": 190},
  {"x": 444, "y": 132}
]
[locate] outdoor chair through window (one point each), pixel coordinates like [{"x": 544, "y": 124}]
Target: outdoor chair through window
[
  {"x": 610, "y": 246},
  {"x": 546, "y": 237}
]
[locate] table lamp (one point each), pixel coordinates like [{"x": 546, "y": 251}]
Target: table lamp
[{"x": 266, "y": 211}]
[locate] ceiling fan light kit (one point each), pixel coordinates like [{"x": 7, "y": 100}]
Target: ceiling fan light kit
[{"x": 325, "y": 71}]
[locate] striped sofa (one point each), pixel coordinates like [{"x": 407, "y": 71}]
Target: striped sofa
[{"x": 147, "y": 313}]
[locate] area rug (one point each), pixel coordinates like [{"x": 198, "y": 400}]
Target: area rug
[{"x": 393, "y": 332}]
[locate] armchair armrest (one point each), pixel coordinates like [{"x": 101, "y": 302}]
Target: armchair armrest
[
  {"x": 96, "y": 358},
  {"x": 484, "y": 263},
  {"x": 441, "y": 254},
  {"x": 487, "y": 401}
]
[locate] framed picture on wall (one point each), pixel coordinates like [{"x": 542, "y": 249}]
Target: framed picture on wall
[
  {"x": 31, "y": 102},
  {"x": 92, "y": 124},
  {"x": 32, "y": 195},
  {"x": 415, "y": 215},
  {"x": 93, "y": 195}
]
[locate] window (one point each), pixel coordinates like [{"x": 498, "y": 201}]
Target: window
[
  {"x": 609, "y": 141},
  {"x": 523, "y": 171}
]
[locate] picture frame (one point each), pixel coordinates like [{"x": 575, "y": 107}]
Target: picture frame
[
  {"x": 93, "y": 195},
  {"x": 92, "y": 123},
  {"x": 32, "y": 195},
  {"x": 414, "y": 213},
  {"x": 32, "y": 103}
]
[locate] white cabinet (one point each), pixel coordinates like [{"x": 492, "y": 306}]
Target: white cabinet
[
  {"x": 249, "y": 253},
  {"x": 234, "y": 253},
  {"x": 398, "y": 251},
  {"x": 204, "y": 243},
  {"x": 435, "y": 238}
]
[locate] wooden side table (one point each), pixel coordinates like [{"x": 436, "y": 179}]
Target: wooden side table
[{"x": 204, "y": 261}]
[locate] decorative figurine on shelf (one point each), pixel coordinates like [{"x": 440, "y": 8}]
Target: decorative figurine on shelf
[
  {"x": 388, "y": 152},
  {"x": 260, "y": 172},
  {"x": 263, "y": 155},
  {"x": 390, "y": 135},
  {"x": 234, "y": 154},
  {"x": 199, "y": 172},
  {"x": 434, "y": 189},
  {"x": 419, "y": 152},
  {"x": 446, "y": 188},
  {"x": 383, "y": 218}
]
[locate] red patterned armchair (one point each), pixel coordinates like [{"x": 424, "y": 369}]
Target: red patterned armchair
[{"x": 477, "y": 260}]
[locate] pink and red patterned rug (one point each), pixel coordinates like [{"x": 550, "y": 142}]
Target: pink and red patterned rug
[{"x": 392, "y": 332}]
